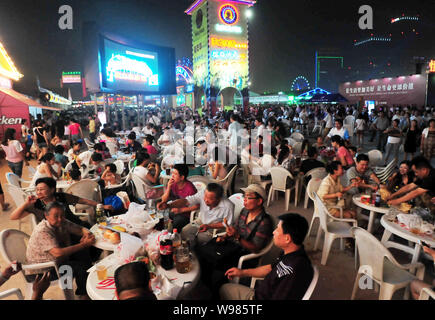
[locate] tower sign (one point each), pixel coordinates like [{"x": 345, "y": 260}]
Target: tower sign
[{"x": 220, "y": 46}]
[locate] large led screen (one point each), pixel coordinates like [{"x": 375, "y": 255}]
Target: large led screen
[{"x": 141, "y": 69}]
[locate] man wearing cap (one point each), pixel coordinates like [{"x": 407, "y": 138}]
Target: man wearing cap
[
  {"x": 288, "y": 278},
  {"x": 251, "y": 233}
]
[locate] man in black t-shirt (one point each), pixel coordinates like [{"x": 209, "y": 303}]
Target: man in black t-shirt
[
  {"x": 422, "y": 189},
  {"x": 287, "y": 279},
  {"x": 312, "y": 162}
]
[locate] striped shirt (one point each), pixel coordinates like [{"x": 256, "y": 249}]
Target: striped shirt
[{"x": 258, "y": 231}]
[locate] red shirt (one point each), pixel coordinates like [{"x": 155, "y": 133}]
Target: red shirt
[
  {"x": 151, "y": 149},
  {"x": 74, "y": 128},
  {"x": 343, "y": 152}
]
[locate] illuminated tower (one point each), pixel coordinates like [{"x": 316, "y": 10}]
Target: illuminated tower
[{"x": 220, "y": 49}]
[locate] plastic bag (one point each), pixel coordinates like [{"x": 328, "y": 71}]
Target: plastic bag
[
  {"x": 136, "y": 214},
  {"x": 129, "y": 247},
  {"x": 410, "y": 221}
]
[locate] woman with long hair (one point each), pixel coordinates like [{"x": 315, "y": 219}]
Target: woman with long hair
[
  {"x": 15, "y": 155},
  {"x": 401, "y": 178},
  {"x": 411, "y": 140},
  {"x": 46, "y": 169}
]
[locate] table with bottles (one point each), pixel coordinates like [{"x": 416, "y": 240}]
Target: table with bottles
[
  {"x": 174, "y": 269},
  {"x": 372, "y": 204}
]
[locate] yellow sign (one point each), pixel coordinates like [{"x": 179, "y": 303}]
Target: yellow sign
[
  {"x": 432, "y": 66},
  {"x": 226, "y": 43}
]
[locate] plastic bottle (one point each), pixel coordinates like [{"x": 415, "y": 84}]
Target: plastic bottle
[
  {"x": 176, "y": 239},
  {"x": 99, "y": 213},
  {"x": 166, "y": 219},
  {"x": 378, "y": 199},
  {"x": 166, "y": 259}
]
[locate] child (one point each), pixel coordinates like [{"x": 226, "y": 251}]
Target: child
[
  {"x": 59, "y": 157},
  {"x": 110, "y": 176}
]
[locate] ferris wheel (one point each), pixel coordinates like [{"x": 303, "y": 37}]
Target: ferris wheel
[{"x": 300, "y": 83}]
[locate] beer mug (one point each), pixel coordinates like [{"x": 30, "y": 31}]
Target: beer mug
[{"x": 182, "y": 259}]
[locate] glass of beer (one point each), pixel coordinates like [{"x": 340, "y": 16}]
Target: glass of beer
[
  {"x": 101, "y": 271},
  {"x": 182, "y": 260}
]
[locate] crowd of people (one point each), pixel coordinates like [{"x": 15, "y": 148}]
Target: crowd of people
[{"x": 259, "y": 139}]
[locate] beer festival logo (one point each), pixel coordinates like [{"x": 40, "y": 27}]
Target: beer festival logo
[{"x": 228, "y": 14}]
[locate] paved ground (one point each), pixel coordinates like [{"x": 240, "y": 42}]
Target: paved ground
[{"x": 335, "y": 281}]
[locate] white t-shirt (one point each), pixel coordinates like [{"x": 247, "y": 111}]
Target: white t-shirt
[
  {"x": 225, "y": 209},
  {"x": 85, "y": 158},
  {"x": 393, "y": 139},
  {"x": 141, "y": 172},
  {"x": 360, "y": 124}
]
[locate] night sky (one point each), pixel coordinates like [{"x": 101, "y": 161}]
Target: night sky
[{"x": 283, "y": 35}]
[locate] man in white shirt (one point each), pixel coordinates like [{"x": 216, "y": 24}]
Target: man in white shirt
[
  {"x": 213, "y": 208},
  {"x": 148, "y": 129},
  {"x": 338, "y": 130},
  {"x": 166, "y": 138}
]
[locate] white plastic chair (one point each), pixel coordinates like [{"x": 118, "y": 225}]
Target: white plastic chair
[
  {"x": 113, "y": 148},
  {"x": 18, "y": 196},
  {"x": 279, "y": 179},
  {"x": 13, "y": 246},
  {"x": 297, "y": 148},
  {"x": 237, "y": 200},
  {"x": 426, "y": 293},
  {"x": 375, "y": 158},
  {"x": 377, "y": 262},
  {"x": 313, "y": 186},
  {"x": 15, "y": 180},
  {"x": 291, "y": 142},
  {"x": 256, "y": 178},
  {"x": 314, "y": 173},
  {"x": 297, "y": 136},
  {"x": 142, "y": 187},
  {"x": 335, "y": 229},
  {"x": 226, "y": 182},
  {"x": 15, "y": 291},
  {"x": 349, "y": 124},
  {"x": 310, "y": 288},
  {"x": 31, "y": 170},
  {"x": 87, "y": 189},
  {"x": 251, "y": 256},
  {"x": 119, "y": 166},
  {"x": 89, "y": 143}
]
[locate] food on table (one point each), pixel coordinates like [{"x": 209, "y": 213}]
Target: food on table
[
  {"x": 108, "y": 233},
  {"x": 405, "y": 207},
  {"x": 115, "y": 238},
  {"x": 384, "y": 194},
  {"x": 119, "y": 228}
]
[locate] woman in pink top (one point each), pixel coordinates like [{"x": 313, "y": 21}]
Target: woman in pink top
[
  {"x": 14, "y": 152},
  {"x": 148, "y": 144},
  {"x": 179, "y": 188},
  {"x": 343, "y": 155}
]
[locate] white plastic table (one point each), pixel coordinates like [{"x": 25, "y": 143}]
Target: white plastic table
[
  {"x": 373, "y": 209},
  {"x": 395, "y": 228},
  {"x": 105, "y": 290}
]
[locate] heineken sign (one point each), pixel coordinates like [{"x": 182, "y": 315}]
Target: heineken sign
[{"x": 10, "y": 121}]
